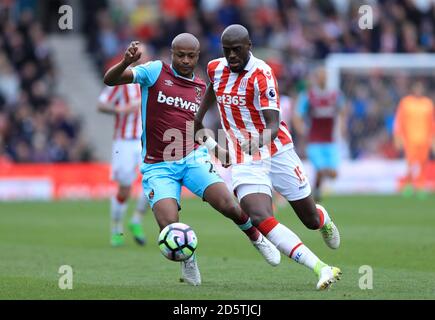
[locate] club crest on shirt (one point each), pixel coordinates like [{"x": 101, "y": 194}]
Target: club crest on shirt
[
  {"x": 243, "y": 83},
  {"x": 268, "y": 75},
  {"x": 198, "y": 95}
]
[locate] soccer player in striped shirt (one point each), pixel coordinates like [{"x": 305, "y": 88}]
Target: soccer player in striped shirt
[
  {"x": 170, "y": 98},
  {"x": 261, "y": 150},
  {"x": 123, "y": 102}
]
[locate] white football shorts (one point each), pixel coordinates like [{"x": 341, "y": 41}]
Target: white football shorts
[
  {"x": 283, "y": 172},
  {"x": 126, "y": 158}
]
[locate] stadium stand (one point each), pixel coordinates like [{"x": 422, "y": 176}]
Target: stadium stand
[
  {"x": 291, "y": 35},
  {"x": 36, "y": 125}
]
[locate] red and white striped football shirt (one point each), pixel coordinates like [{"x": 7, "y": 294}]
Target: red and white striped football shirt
[
  {"x": 127, "y": 126},
  {"x": 241, "y": 97}
]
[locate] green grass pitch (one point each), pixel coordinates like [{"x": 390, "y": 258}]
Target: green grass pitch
[{"x": 393, "y": 235}]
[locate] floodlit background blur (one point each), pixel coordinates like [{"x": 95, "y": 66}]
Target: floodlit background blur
[{"x": 50, "y": 78}]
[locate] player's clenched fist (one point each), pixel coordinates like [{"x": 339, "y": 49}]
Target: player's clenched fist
[{"x": 133, "y": 53}]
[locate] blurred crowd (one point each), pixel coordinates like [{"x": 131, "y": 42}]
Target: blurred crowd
[
  {"x": 291, "y": 35},
  {"x": 372, "y": 101},
  {"x": 36, "y": 125}
]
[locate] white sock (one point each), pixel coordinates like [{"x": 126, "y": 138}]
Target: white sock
[
  {"x": 305, "y": 256},
  {"x": 142, "y": 203},
  {"x": 141, "y": 206},
  {"x": 137, "y": 217},
  {"x": 322, "y": 212},
  {"x": 117, "y": 211},
  {"x": 289, "y": 244}
]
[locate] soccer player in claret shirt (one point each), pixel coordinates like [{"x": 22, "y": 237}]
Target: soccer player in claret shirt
[
  {"x": 322, "y": 108},
  {"x": 123, "y": 102},
  {"x": 246, "y": 92},
  {"x": 170, "y": 98}
]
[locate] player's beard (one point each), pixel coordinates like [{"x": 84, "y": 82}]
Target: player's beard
[{"x": 239, "y": 67}]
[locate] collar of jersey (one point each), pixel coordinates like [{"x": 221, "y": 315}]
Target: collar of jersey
[{"x": 177, "y": 75}]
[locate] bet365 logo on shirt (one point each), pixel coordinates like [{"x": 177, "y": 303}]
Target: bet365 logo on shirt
[{"x": 231, "y": 100}]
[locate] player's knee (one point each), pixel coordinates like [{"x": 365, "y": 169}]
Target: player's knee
[
  {"x": 123, "y": 193},
  {"x": 332, "y": 174}
]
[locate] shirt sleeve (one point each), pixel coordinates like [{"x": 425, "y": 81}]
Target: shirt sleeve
[
  {"x": 211, "y": 68},
  {"x": 431, "y": 120},
  {"x": 397, "y": 127},
  {"x": 109, "y": 95},
  {"x": 302, "y": 104},
  {"x": 267, "y": 90},
  {"x": 147, "y": 74}
]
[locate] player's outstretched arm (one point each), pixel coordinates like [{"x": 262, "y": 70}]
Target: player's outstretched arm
[
  {"x": 271, "y": 117},
  {"x": 119, "y": 74},
  {"x": 109, "y": 109},
  {"x": 200, "y": 134},
  {"x": 207, "y": 100},
  {"x": 397, "y": 127}
]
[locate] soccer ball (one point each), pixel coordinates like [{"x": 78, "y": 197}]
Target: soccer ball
[{"x": 177, "y": 241}]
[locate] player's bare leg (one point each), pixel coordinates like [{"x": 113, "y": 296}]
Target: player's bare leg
[
  {"x": 317, "y": 186},
  {"x": 307, "y": 212},
  {"x": 315, "y": 217},
  {"x": 413, "y": 170},
  {"x": 259, "y": 208},
  {"x": 166, "y": 212},
  {"x": 420, "y": 180},
  {"x": 118, "y": 207},
  {"x": 219, "y": 197},
  {"x": 408, "y": 187},
  {"x": 320, "y": 177}
]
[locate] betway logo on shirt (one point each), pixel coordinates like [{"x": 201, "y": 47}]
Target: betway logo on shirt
[
  {"x": 324, "y": 112},
  {"x": 177, "y": 102}
]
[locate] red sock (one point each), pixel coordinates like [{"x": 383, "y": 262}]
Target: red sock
[
  {"x": 321, "y": 217},
  {"x": 267, "y": 225}
]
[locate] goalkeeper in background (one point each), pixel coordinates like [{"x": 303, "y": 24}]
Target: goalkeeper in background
[{"x": 414, "y": 130}]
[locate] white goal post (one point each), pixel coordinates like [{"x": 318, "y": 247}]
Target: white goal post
[{"x": 336, "y": 62}]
